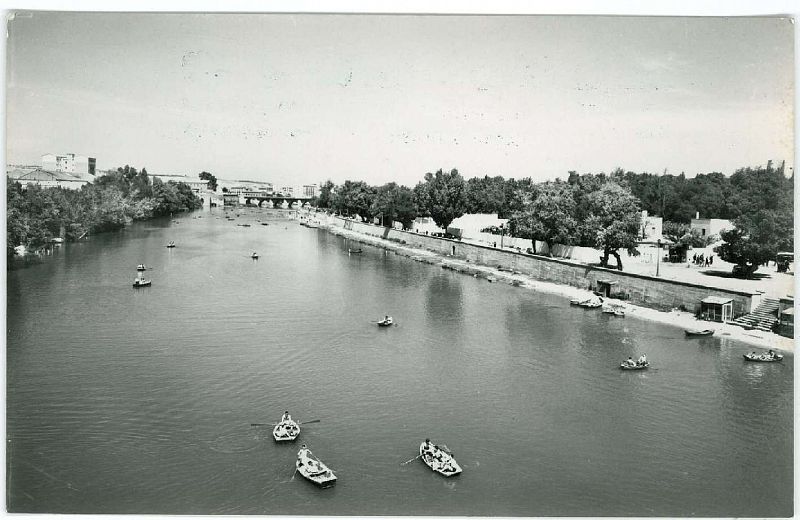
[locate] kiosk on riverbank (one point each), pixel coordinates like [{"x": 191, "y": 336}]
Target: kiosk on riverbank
[{"x": 717, "y": 308}]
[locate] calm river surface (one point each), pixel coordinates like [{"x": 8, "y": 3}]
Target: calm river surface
[{"x": 123, "y": 400}]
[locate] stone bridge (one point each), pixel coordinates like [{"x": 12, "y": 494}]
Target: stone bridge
[{"x": 276, "y": 199}]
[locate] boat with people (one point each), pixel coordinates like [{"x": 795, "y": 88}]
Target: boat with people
[
  {"x": 438, "y": 459},
  {"x": 141, "y": 267},
  {"x": 769, "y": 357},
  {"x": 286, "y": 429},
  {"x": 698, "y": 332},
  {"x": 254, "y": 255},
  {"x": 639, "y": 364},
  {"x": 141, "y": 282},
  {"x": 171, "y": 244},
  {"x": 386, "y": 322},
  {"x": 314, "y": 469}
]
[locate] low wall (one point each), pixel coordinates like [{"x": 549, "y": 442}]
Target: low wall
[{"x": 642, "y": 290}]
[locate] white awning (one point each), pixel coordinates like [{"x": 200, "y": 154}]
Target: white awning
[{"x": 717, "y": 300}]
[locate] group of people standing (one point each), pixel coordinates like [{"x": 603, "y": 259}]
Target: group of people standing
[{"x": 702, "y": 261}]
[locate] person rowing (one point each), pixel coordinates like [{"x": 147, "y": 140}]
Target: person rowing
[
  {"x": 427, "y": 449},
  {"x": 286, "y": 417},
  {"x": 630, "y": 362},
  {"x": 642, "y": 359}
]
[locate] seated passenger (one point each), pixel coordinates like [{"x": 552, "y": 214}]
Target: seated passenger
[{"x": 286, "y": 417}]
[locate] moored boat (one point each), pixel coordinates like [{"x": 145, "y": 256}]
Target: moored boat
[
  {"x": 439, "y": 460},
  {"x": 313, "y": 469},
  {"x": 588, "y": 303},
  {"x": 355, "y": 251},
  {"x": 763, "y": 358},
  {"x": 698, "y": 332}
]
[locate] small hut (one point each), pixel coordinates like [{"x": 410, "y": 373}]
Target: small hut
[{"x": 716, "y": 308}]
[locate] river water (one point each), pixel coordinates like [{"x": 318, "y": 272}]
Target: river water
[{"x": 123, "y": 400}]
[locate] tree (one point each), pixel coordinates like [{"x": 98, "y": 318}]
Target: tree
[
  {"x": 325, "y": 197},
  {"x": 354, "y": 198},
  {"x": 393, "y": 202},
  {"x": 442, "y": 196},
  {"x": 485, "y": 195},
  {"x": 212, "y": 181},
  {"x": 756, "y": 239},
  {"x": 613, "y": 220},
  {"x": 548, "y": 216}
]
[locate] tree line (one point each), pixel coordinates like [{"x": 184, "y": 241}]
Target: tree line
[
  {"x": 594, "y": 210},
  {"x": 36, "y": 215}
]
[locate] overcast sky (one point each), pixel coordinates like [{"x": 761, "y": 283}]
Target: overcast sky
[{"x": 303, "y": 98}]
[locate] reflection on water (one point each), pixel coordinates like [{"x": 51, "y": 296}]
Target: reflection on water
[{"x": 140, "y": 401}]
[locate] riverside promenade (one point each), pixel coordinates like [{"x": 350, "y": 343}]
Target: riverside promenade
[{"x": 491, "y": 273}]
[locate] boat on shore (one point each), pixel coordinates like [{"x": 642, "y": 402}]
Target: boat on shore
[
  {"x": 314, "y": 469},
  {"x": 588, "y": 303},
  {"x": 287, "y": 430},
  {"x": 698, "y": 332},
  {"x": 439, "y": 460},
  {"x": 763, "y": 358}
]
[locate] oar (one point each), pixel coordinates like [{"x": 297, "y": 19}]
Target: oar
[
  {"x": 411, "y": 460},
  {"x": 293, "y": 474},
  {"x": 308, "y": 422}
]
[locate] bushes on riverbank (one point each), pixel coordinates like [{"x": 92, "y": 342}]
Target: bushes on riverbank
[{"x": 36, "y": 215}]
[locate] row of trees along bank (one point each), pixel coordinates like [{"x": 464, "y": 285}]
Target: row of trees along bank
[
  {"x": 595, "y": 210},
  {"x": 37, "y": 215}
]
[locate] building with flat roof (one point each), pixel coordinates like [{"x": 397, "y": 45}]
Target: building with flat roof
[
  {"x": 710, "y": 226},
  {"x": 196, "y": 183},
  {"x": 77, "y": 165},
  {"x": 46, "y": 179}
]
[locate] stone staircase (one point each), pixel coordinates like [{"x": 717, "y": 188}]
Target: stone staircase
[{"x": 764, "y": 317}]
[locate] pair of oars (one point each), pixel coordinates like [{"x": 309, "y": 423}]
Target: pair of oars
[
  {"x": 446, "y": 450},
  {"x": 276, "y": 424}
]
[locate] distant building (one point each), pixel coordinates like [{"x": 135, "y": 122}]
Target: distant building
[
  {"x": 650, "y": 228},
  {"x": 309, "y": 190},
  {"x": 77, "y": 165},
  {"x": 197, "y": 184},
  {"x": 710, "y": 226},
  {"x": 46, "y": 178},
  {"x": 288, "y": 191}
]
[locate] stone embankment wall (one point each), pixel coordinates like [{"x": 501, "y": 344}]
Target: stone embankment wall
[{"x": 638, "y": 289}]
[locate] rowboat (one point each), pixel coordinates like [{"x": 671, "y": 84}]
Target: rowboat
[
  {"x": 589, "y": 303},
  {"x": 355, "y": 251},
  {"x": 171, "y": 244},
  {"x": 139, "y": 282},
  {"x": 638, "y": 366},
  {"x": 286, "y": 431},
  {"x": 763, "y": 358},
  {"x": 386, "y": 322},
  {"x": 697, "y": 332},
  {"x": 313, "y": 469},
  {"x": 141, "y": 267},
  {"x": 440, "y": 461},
  {"x": 254, "y": 256}
]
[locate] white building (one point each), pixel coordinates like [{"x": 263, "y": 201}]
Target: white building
[
  {"x": 710, "y": 226},
  {"x": 309, "y": 190},
  {"x": 472, "y": 224},
  {"x": 650, "y": 228},
  {"x": 77, "y": 165},
  {"x": 46, "y": 179},
  {"x": 196, "y": 183}
]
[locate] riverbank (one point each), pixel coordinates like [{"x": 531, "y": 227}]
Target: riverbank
[{"x": 685, "y": 320}]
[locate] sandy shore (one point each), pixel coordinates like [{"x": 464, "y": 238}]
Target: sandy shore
[{"x": 685, "y": 320}]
